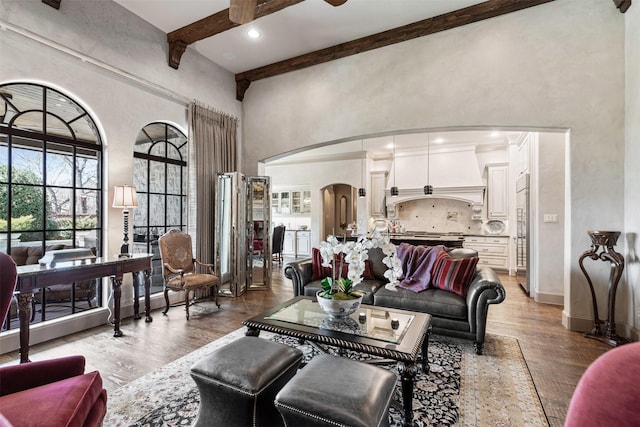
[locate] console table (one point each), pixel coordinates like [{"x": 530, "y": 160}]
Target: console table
[{"x": 31, "y": 277}]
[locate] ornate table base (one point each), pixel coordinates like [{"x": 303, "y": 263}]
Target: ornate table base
[{"x": 605, "y": 331}]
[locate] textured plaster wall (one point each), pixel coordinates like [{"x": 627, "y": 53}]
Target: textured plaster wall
[
  {"x": 557, "y": 65},
  {"x": 630, "y": 292}
]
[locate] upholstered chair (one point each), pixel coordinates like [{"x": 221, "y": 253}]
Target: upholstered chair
[
  {"x": 608, "y": 394},
  {"x": 179, "y": 268},
  {"x": 65, "y": 395}
]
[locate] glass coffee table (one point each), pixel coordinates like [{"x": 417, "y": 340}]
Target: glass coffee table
[{"x": 389, "y": 333}]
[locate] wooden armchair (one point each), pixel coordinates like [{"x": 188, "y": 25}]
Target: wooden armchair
[{"x": 179, "y": 268}]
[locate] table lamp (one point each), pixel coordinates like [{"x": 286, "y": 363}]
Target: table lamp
[{"x": 125, "y": 197}]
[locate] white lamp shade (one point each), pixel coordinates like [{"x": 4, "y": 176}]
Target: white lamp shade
[{"x": 125, "y": 197}]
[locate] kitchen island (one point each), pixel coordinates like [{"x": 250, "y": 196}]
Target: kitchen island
[{"x": 449, "y": 239}]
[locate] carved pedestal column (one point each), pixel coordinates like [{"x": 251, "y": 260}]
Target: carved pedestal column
[{"x": 602, "y": 243}]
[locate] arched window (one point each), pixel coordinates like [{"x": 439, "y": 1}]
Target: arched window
[
  {"x": 50, "y": 181},
  {"x": 160, "y": 178}
]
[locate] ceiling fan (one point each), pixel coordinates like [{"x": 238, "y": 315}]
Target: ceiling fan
[{"x": 244, "y": 11}]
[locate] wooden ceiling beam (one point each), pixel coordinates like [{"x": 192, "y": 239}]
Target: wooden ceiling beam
[
  {"x": 622, "y": 5},
  {"x": 242, "y": 11},
  {"x": 447, "y": 21},
  {"x": 219, "y": 22},
  {"x": 53, "y": 3}
]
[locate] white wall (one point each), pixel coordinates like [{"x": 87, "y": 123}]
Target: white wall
[
  {"x": 630, "y": 292},
  {"x": 105, "y": 33},
  {"x": 557, "y": 65},
  {"x": 550, "y": 200}
]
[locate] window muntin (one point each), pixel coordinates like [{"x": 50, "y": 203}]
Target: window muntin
[
  {"x": 50, "y": 184},
  {"x": 160, "y": 172}
]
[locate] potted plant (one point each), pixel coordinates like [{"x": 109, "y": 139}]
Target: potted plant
[{"x": 338, "y": 298}]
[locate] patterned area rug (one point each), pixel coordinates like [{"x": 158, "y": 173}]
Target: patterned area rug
[{"x": 463, "y": 389}]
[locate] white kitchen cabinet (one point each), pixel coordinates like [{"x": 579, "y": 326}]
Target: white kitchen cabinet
[
  {"x": 297, "y": 243},
  {"x": 289, "y": 245},
  {"x": 301, "y": 202},
  {"x": 497, "y": 191},
  {"x": 280, "y": 202},
  {"x": 303, "y": 243},
  {"x": 493, "y": 251},
  {"x": 378, "y": 184},
  {"x": 523, "y": 156},
  {"x": 290, "y": 201}
]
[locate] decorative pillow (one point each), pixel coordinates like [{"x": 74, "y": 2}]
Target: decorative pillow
[
  {"x": 319, "y": 272},
  {"x": 453, "y": 274}
]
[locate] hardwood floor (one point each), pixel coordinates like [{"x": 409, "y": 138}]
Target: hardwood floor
[{"x": 556, "y": 357}]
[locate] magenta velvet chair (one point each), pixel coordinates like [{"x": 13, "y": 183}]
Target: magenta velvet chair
[
  {"x": 53, "y": 392},
  {"x": 608, "y": 393}
]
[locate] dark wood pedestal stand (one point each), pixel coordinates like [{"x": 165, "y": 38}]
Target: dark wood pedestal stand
[{"x": 605, "y": 240}]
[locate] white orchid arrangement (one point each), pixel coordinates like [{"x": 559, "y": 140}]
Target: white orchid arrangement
[{"x": 355, "y": 254}]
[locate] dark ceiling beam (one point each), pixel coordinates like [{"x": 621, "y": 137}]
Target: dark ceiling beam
[
  {"x": 53, "y": 3},
  {"x": 447, "y": 21},
  {"x": 219, "y": 22},
  {"x": 622, "y": 5}
]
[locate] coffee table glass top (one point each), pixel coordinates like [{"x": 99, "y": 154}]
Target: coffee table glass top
[{"x": 369, "y": 322}]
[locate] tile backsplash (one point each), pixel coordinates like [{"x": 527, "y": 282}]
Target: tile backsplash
[{"x": 437, "y": 215}]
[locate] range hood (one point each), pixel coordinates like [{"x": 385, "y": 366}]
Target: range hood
[{"x": 453, "y": 175}]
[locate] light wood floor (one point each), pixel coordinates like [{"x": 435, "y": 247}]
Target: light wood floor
[{"x": 556, "y": 357}]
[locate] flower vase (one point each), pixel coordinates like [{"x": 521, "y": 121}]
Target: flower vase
[{"x": 338, "y": 309}]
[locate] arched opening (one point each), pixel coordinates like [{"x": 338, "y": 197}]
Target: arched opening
[{"x": 339, "y": 209}]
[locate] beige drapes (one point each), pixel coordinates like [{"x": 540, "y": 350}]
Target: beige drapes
[{"x": 213, "y": 150}]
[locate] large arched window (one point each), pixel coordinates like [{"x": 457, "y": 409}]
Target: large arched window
[
  {"x": 160, "y": 178},
  {"x": 50, "y": 183}
]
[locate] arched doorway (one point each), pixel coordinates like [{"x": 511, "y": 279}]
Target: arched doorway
[{"x": 339, "y": 209}]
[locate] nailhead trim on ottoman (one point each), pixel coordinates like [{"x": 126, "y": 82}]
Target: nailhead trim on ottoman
[
  {"x": 238, "y": 382},
  {"x": 335, "y": 391}
]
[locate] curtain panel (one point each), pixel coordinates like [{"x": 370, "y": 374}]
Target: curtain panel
[{"x": 213, "y": 143}]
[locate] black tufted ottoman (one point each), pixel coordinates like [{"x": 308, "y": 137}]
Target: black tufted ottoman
[
  {"x": 238, "y": 382},
  {"x": 334, "y": 391}
]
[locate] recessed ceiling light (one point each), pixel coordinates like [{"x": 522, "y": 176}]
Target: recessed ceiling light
[
  {"x": 495, "y": 133},
  {"x": 439, "y": 140},
  {"x": 253, "y": 33}
]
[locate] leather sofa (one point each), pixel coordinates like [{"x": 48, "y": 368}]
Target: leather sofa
[{"x": 452, "y": 315}]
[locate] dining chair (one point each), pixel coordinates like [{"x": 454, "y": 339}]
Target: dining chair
[{"x": 277, "y": 243}]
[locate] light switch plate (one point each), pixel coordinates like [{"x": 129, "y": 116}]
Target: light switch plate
[{"x": 550, "y": 218}]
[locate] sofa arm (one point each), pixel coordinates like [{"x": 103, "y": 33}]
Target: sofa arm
[
  {"x": 15, "y": 378},
  {"x": 300, "y": 273},
  {"x": 486, "y": 288}
]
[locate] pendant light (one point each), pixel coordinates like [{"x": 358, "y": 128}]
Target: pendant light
[
  {"x": 362, "y": 192},
  {"x": 394, "y": 189},
  {"x": 428, "y": 189}
]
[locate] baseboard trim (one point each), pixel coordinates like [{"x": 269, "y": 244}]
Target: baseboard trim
[
  {"x": 546, "y": 298},
  {"x": 585, "y": 325}
]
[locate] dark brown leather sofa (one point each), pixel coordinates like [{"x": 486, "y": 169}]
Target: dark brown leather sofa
[{"x": 452, "y": 314}]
